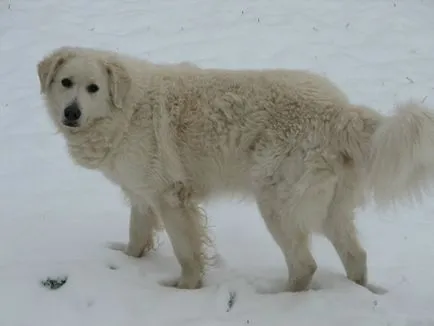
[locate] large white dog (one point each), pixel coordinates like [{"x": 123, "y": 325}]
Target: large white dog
[{"x": 172, "y": 136}]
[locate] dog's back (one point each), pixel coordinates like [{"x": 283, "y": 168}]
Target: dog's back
[{"x": 223, "y": 120}]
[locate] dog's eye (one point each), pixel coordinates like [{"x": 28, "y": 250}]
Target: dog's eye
[
  {"x": 66, "y": 82},
  {"x": 92, "y": 88}
]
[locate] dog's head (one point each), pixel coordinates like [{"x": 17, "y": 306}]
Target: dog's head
[{"x": 81, "y": 86}]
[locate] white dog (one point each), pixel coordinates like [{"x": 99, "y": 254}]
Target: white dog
[{"x": 172, "y": 136}]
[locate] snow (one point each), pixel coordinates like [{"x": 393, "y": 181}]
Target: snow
[{"x": 56, "y": 218}]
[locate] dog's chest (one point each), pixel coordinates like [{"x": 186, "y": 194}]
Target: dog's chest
[{"x": 126, "y": 174}]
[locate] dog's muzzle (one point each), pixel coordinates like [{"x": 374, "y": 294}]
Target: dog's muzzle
[{"x": 71, "y": 115}]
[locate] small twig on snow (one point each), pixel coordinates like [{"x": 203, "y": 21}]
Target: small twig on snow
[{"x": 231, "y": 301}]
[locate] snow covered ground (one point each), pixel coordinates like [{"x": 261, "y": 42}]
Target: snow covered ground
[{"x": 55, "y": 218}]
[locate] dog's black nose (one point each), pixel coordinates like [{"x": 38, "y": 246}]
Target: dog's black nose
[{"x": 72, "y": 112}]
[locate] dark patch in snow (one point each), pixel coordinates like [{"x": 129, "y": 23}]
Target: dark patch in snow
[
  {"x": 112, "y": 267},
  {"x": 54, "y": 283},
  {"x": 231, "y": 301}
]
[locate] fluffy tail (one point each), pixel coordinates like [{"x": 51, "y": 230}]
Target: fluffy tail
[{"x": 401, "y": 160}]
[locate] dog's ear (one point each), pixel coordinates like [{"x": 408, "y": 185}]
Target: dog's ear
[
  {"x": 119, "y": 81},
  {"x": 49, "y": 65}
]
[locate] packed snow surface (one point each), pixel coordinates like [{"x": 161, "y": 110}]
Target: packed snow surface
[{"x": 56, "y": 218}]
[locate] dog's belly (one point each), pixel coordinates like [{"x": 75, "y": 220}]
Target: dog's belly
[{"x": 213, "y": 177}]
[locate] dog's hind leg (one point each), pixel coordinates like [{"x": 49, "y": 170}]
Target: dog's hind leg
[
  {"x": 293, "y": 241},
  {"x": 342, "y": 234},
  {"x": 339, "y": 228},
  {"x": 291, "y": 211},
  {"x": 183, "y": 220}
]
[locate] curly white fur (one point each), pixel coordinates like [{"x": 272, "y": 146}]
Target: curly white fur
[{"x": 172, "y": 136}]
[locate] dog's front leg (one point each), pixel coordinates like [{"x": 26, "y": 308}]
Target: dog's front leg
[
  {"x": 143, "y": 225},
  {"x": 183, "y": 221}
]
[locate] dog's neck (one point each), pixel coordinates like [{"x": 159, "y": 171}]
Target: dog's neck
[{"x": 94, "y": 146}]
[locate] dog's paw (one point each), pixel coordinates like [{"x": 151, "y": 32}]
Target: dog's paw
[
  {"x": 185, "y": 283},
  {"x": 269, "y": 286},
  {"x": 376, "y": 289},
  {"x": 126, "y": 249}
]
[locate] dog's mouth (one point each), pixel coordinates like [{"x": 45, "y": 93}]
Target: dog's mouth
[{"x": 70, "y": 124}]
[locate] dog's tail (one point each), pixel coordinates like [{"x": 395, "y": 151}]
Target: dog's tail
[
  {"x": 400, "y": 165},
  {"x": 394, "y": 153}
]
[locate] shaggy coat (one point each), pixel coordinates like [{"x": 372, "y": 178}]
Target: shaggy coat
[{"x": 173, "y": 136}]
